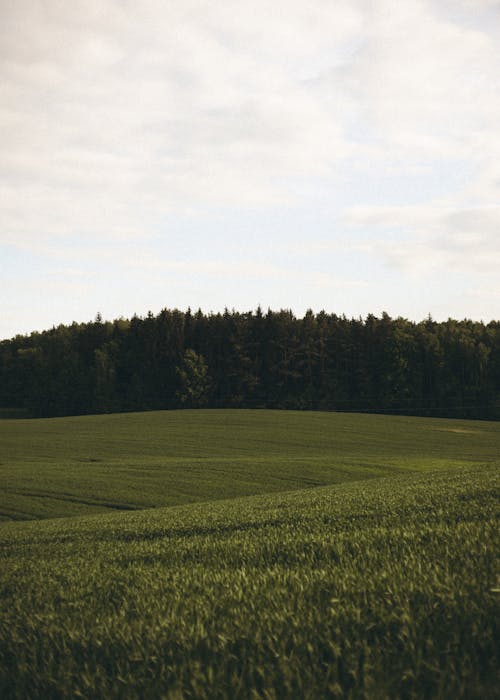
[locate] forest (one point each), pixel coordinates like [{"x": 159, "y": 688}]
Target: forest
[{"x": 255, "y": 359}]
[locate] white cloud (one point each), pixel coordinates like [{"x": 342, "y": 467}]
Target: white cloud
[
  {"x": 423, "y": 83},
  {"x": 116, "y": 116},
  {"x": 430, "y": 85},
  {"x": 112, "y": 115},
  {"x": 133, "y": 110},
  {"x": 428, "y": 238}
]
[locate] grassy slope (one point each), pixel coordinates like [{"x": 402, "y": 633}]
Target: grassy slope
[
  {"x": 73, "y": 466},
  {"x": 379, "y": 587},
  {"x": 373, "y": 589}
]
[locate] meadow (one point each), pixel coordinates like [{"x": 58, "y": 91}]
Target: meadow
[
  {"x": 58, "y": 467},
  {"x": 314, "y": 555}
]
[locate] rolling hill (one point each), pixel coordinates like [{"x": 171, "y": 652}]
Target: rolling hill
[
  {"x": 72, "y": 466},
  {"x": 287, "y": 555}
]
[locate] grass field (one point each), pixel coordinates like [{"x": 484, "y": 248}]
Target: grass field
[
  {"x": 365, "y": 565},
  {"x": 73, "y": 466}
]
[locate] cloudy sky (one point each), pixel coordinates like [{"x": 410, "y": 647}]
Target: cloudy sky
[{"x": 337, "y": 155}]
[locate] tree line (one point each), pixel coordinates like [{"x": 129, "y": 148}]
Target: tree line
[{"x": 255, "y": 360}]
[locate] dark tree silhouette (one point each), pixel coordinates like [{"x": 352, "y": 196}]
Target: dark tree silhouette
[{"x": 255, "y": 360}]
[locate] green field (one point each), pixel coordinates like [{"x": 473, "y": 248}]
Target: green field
[
  {"x": 73, "y": 466},
  {"x": 288, "y": 555}
]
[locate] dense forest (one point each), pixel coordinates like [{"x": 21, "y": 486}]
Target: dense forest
[{"x": 273, "y": 360}]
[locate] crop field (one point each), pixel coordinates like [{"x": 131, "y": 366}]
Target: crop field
[
  {"x": 287, "y": 555},
  {"x": 90, "y": 464}
]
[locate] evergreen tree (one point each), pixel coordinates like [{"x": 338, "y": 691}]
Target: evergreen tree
[{"x": 273, "y": 360}]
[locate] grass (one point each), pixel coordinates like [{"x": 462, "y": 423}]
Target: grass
[
  {"x": 379, "y": 589},
  {"x": 365, "y": 565},
  {"x": 74, "y": 466}
]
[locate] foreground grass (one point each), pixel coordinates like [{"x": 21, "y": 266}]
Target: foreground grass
[
  {"x": 375, "y": 589},
  {"x": 90, "y": 464}
]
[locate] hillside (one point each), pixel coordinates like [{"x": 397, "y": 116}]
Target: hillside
[
  {"x": 271, "y": 555},
  {"x": 375, "y": 589},
  {"x": 73, "y": 466}
]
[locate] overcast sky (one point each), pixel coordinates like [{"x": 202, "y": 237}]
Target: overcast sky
[{"x": 337, "y": 155}]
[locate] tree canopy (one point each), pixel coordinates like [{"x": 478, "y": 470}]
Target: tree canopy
[{"x": 254, "y": 359}]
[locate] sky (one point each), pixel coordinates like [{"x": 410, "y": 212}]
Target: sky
[{"x": 336, "y": 155}]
